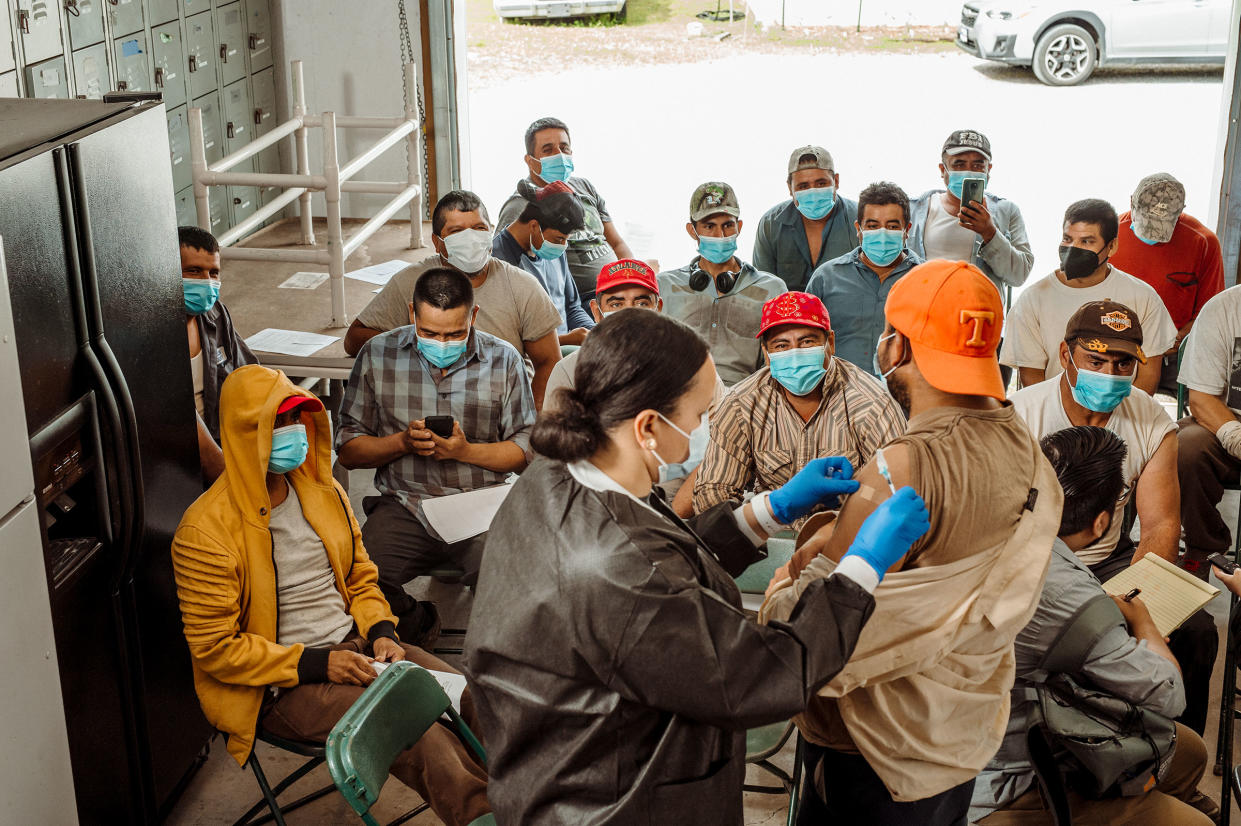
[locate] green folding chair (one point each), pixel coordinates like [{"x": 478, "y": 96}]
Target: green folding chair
[{"x": 390, "y": 716}]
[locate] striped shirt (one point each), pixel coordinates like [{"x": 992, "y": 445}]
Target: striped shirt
[
  {"x": 392, "y": 384},
  {"x": 758, "y": 441}
]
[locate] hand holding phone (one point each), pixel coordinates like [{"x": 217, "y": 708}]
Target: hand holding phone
[
  {"x": 1223, "y": 563},
  {"x": 440, "y": 425},
  {"x": 971, "y": 190}
]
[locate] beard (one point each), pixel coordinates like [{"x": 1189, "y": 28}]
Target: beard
[{"x": 899, "y": 391}]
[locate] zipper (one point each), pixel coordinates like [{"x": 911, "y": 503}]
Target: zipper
[
  {"x": 353, "y": 540},
  {"x": 275, "y": 572}
]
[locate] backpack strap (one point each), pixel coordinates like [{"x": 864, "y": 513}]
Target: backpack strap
[{"x": 1069, "y": 650}]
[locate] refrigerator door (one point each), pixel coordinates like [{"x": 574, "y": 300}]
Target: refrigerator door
[{"x": 16, "y": 482}]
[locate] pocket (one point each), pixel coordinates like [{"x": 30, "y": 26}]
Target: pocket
[{"x": 774, "y": 465}]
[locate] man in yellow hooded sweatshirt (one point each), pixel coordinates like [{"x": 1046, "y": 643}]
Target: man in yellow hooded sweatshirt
[{"x": 281, "y": 605}]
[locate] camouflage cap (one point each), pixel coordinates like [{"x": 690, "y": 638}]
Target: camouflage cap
[
  {"x": 713, "y": 198},
  {"x": 1157, "y": 204},
  {"x": 819, "y": 158}
]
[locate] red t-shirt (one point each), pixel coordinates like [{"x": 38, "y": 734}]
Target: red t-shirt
[{"x": 1186, "y": 272}]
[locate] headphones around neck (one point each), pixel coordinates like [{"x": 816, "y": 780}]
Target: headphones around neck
[{"x": 700, "y": 279}]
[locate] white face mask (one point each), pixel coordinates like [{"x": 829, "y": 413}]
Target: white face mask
[
  {"x": 468, "y": 250},
  {"x": 699, "y": 438}
]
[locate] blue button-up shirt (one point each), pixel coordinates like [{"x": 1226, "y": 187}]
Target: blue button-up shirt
[
  {"x": 781, "y": 248},
  {"x": 553, "y": 275},
  {"x": 854, "y": 298}
]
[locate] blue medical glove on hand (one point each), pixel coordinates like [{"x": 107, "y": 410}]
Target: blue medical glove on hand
[
  {"x": 889, "y": 532},
  {"x": 820, "y": 482}
]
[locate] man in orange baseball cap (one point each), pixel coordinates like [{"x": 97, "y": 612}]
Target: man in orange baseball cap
[{"x": 919, "y": 710}]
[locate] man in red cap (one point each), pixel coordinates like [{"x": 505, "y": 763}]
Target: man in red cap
[
  {"x": 900, "y": 734},
  {"x": 804, "y": 404}
]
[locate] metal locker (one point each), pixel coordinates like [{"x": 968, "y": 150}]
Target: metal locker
[
  {"x": 245, "y": 201},
  {"x": 125, "y": 15},
  {"x": 196, "y": 6},
  {"x": 200, "y": 53},
  {"x": 90, "y": 71},
  {"x": 213, "y": 136},
  {"x": 187, "y": 214},
  {"x": 179, "y": 147},
  {"x": 168, "y": 55},
  {"x": 218, "y": 204},
  {"x": 47, "y": 80},
  {"x": 264, "y": 84},
  {"x": 8, "y": 85},
  {"x": 38, "y": 22},
  {"x": 133, "y": 67},
  {"x": 258, "y": 34},
  {"x": 85, "y": 22},
  {"x": 238, "y": 117},
  {"x": 8, "y": 60},
  {"x": 231, "y": 34},
  {"x": 161, "y": 11}
]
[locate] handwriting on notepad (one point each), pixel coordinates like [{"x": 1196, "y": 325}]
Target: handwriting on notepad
[{"x": 1170, "y": 594}]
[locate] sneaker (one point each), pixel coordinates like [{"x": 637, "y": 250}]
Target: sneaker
[
  {"x": 1205, "y": 805},
  {"x": 420, "y": 625}
]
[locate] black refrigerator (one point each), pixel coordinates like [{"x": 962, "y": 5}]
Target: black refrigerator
[{"x": 88, "y": 227}]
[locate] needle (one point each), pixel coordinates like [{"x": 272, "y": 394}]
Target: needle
[{"x": 882, "y": 464}]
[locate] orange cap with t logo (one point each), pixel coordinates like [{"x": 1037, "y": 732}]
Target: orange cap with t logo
[{"x": 952, "y": 315}]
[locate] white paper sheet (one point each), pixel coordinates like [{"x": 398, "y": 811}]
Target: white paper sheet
[
  {"x": 453, "y": 684},
  {"x": 289, "y": 342},
  {"x": 378, "y": 273},
  {"x": 1171, "y": 594},
  {"x": 463, "y": 515},
  {"x": 303, "y": 280}
]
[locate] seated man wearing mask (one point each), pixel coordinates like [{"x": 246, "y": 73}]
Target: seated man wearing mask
[
  {"x": 805, "y": 404},
  {"x": 1128, "y": 660},
  {"x": 1034, "y": 334},
  {"x": 537, "y": 241},
  {"x": 899, "y": 735},
  {"x": 718, "y": 295},
  {"x": 814, "y": 226},
  {"x": 1100, "y": 352},
  {"x": 282, "y": 614},
  {"x": 439, "y": 365},
  {"x": 512, "y": 304},
  {"x": 855, "y": 286},
  {"x": 215, "y": 347}
]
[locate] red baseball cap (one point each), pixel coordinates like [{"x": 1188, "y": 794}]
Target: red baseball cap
[
  {"x": 803, "y": 309},
  {"x": 626, "y": 271},
  {"x": 952, "y": 315},
  {"x": 312, "y": 404}
]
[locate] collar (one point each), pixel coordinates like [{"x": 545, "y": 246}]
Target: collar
[{"x": 588, "y": 476}]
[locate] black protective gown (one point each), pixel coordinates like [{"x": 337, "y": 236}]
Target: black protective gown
[{"x": 613, "y": 670}]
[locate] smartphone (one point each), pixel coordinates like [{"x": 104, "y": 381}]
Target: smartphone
[
  {"x": 971, "y": 190},
  {"x": 1223, "y": 563},
  {"x": 440, "y": 425}
]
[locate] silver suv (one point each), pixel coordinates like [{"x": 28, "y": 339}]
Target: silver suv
[{"x": 1064, "y": 42}]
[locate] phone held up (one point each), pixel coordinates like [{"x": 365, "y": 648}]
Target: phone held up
[
  {"x": 440, "y": 425},
  {"x": 971, "y": 190}
]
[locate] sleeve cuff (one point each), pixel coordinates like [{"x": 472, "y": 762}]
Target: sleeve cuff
[
  {"x": 858, "y": 570},
  {"x": 384, "y": 628},
  {"x": 312, "y": 665}
]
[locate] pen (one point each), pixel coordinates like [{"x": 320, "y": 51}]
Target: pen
[
  {"x": 882, "y": 464},
  {"x": 1129, "y": 596}
]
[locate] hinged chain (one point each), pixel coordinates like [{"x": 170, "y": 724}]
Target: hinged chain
[{"x": 407, "y": 56}]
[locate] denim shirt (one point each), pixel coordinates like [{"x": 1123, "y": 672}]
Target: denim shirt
[
  {"x": 553, "y": 275},
  {"x": 1006, "y": 259},
  {"x": 780, "y": 246}
]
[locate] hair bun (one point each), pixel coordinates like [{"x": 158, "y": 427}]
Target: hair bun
[{"x": 573, "y": 431}]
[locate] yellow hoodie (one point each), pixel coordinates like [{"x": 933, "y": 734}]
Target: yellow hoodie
[{"x": 222, "y": 557}]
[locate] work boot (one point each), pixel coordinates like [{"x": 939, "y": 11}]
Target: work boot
[{"x": 420, "y": 625}]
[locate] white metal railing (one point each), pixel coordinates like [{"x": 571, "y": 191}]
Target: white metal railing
[{"x": 298, "y": 186}]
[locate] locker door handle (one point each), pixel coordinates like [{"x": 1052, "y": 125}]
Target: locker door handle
[
  {"x": 159, "y": 77},
  {"x": 23, "y": 21},
  {"x": 223, "y": 52},
  {"x": 258, "y": 117},
  {"x": 193, "y": 63},
  {"x": 232, "y": 133},
  {"x": 121, "y": 85},
  {"x": 71, "y": 6},
  {"x": 254, "y": 42},
  {"x": 114, "y": 2}
]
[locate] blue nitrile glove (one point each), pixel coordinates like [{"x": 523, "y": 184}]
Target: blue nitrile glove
[
  {"x": 889, "y": 532},
  {"x": 820, "y": 482}
]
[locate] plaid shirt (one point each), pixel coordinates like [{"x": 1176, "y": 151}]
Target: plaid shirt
[
  {"x": 486, "y": 391},
  {"x": 758, "y": 441}
]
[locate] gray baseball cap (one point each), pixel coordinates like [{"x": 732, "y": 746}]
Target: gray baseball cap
[
  {"x": 822, "y": 159},
  {"x": 713, "y": 198},
  {"x": 1157, "y": 204},
  {"x": 967, "y": 140}
]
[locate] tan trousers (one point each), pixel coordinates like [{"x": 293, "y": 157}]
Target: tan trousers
[
  {"x": 438, "y": 767},
  {"x": 1162, "y": 806}
]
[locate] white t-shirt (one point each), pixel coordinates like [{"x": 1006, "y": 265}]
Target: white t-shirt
[
  {"x": 1139, "y": 420},
  {"x": 944, "y": 237},
  {"x": 196, "y": 374},
  {"x": 1212, "y": 360},
  {"x": 1035, "y": 325}
]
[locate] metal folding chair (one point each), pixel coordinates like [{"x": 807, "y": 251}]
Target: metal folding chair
[{"x": 315, "y": 756}]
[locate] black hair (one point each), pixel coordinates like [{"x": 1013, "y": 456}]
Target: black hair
[
  {"x": 557, "y": 210},
  {"x": 538, "y": 126},
  {"x": 1094, "y": 211},
  {"x": 458, "y": 200},
  {"x": 443, "y": 289},
  {"x": 882, "y": 194},
  {"x": 197, "y": 238},
  {"x": 1089, "y": 461},
  {"x": 632, "y": 361}
]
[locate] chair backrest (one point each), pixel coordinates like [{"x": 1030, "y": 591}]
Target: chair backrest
[
  {"x": 754, "y": 580},
  {"x": 394, "y": 711},
  {"x": 1181, "y": 392}
]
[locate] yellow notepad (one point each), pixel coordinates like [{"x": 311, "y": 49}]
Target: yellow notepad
[{"x": 1171, "y": 594}]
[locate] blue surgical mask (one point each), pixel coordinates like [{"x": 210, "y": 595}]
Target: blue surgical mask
[
  {"x": 547, "y": 251},
  {"x": 956, "y": 177},
  {"x": 556, "y": 168},
  {"x": 1100, "y": 392},
  {"x": 199, "y": 294},
  {"x": 799, "y": 370},
  {"x": 717, "y": 250},
  {"x": 289, "y": 446},
  {"x": 698, "y": 438},
  {"x": 882, "y": 246},
  {"x": 815, "y": 203},
  {"x": 1143, "y": 240},
  {"x": 442, "y": 353}
]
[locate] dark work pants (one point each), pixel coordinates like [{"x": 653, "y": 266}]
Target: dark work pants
[
  {"x": 851, "y": 793},
  {"x": 1203, "y": 467},
  {"x": 403, "y": 549},
  {"x": 1194, "y": 644}
]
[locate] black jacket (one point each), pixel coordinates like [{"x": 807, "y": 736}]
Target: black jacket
[
  {"x": 612, "y": 667},
  {"x": 223, "y": 352}
]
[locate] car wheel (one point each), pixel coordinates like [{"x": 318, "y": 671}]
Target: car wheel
[{"x": 1065, "y": 55}]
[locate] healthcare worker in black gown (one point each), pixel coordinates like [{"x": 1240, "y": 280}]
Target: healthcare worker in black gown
[{"x": 612, "y": 668}]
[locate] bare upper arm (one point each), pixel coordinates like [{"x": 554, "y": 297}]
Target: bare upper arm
[
  {"x": 357, "y": 335},
  {"x": 545, "y": 351},
  {"x": 1158, "y": 491},
  {"x": 873, "y": 490}
]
